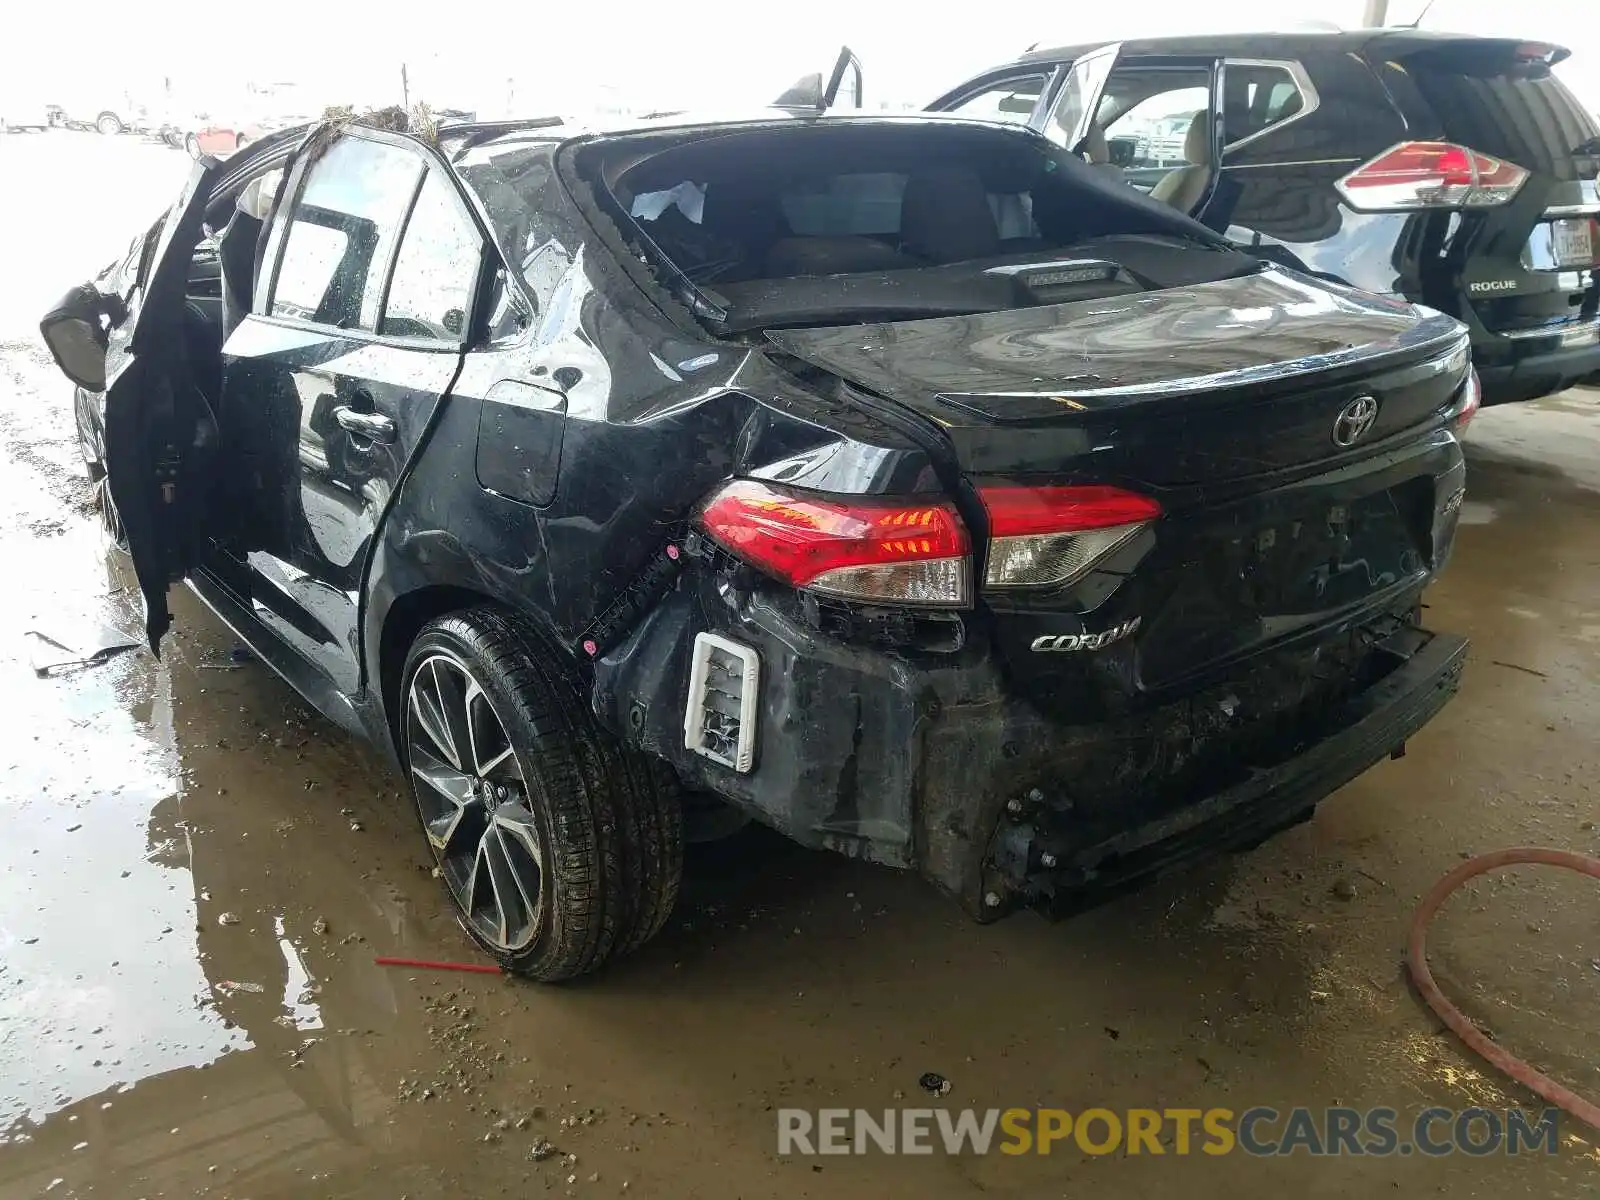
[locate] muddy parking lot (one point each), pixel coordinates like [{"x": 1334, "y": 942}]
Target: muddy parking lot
[{"x": 197, "y": 872}]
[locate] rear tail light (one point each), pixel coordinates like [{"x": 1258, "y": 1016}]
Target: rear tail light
[
  {"x": 1053, "y": 536},
  {"x": 1469, "y": 403},
  {"x": 1421, "y": 175},
  {"x": 885, "y": 552}
]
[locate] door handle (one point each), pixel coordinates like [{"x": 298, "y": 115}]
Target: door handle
[{"x": 375, "y": 427}]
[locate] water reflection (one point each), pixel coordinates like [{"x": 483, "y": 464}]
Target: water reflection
[{"x": 100, "y": 983}]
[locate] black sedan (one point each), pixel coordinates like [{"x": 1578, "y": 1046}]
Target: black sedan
[{"x": 903, "y": 483}]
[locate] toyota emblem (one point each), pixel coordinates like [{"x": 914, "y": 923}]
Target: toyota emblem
[{"x": 1354, "y": 420}]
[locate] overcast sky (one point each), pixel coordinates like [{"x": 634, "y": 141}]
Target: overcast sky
[{"x": 660, "y": 53}]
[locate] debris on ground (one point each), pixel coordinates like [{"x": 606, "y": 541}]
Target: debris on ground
[
  {"x": 228, "y": 987},
  {"x": 934, "y": 1084},
  {"x": 1344, "y": 888},
  {"x": 228, "y": 918},
  {"x": 107, "y": 645},
  {"x": 542, "y": 1149}
]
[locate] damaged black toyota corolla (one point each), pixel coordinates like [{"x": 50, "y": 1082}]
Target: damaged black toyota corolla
[{"x": 898, "y": 481}]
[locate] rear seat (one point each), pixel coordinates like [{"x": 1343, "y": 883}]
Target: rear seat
[{"x": 793, "y": 256}]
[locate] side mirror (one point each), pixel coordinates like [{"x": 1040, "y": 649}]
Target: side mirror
[
  {"x": 805, "y": 92},
  {"x": 75, "y": 330}
]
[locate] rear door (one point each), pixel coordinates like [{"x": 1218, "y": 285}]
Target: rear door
[
  {"x": 1521, "y": 257},
  {"x": 361, "y": 328},
  {"x": 160, "y": 433}
]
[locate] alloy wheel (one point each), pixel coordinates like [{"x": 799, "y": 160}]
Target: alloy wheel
[{"x": 472, "y": 795}]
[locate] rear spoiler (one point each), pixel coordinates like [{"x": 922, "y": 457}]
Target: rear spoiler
[{"x": 1469, "y": 54}]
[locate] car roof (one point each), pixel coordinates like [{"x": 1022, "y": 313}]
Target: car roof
[
  {"x": 556, "y": 129},
  {"x": 1264, "y": 44}
]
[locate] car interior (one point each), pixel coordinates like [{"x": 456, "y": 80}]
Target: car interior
[
  {"x": 933, "y": 221},
  {"x": 1184, "y": 187},
  {"x": 223, "y": 272},
  {"x": 767, "y": 205}
]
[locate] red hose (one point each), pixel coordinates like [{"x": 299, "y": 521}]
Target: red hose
[
  {"x": 1417, "y": 961},
  {"x": 428, "y": 964}
]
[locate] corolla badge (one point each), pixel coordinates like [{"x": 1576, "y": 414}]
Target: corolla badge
[
  {"x": 1061, "y": 643},
  {"x": 1354, "y": 420}
]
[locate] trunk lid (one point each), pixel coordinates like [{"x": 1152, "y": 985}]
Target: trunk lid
[
  {"x": 1203, "y": 384},
  {"x": 1223, "y": 402},
  {"x": 1527, "y": 267}
]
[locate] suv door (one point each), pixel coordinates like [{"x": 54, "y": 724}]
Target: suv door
[
  {"x": 1072, "y": 109},
  {"x": 355, "y": 340},
  {"x": 160, "y": 433},
  {"x": 1105, "y": 86}
]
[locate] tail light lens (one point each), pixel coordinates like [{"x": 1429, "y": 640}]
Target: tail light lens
[
  {"x": 1420, "y": 175},
  {"x": 885, "y": 552},
  {"x": 1053, "y": 536},
  {"x": 1469, "y": 403}
]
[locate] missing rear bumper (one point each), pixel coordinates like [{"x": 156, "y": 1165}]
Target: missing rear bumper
[{"x": 1041, "y": 856}]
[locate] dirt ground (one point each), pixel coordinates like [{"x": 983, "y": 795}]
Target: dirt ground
[{"x": 196, "y": 873}]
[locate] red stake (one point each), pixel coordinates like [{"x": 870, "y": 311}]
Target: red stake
[{"x": 428, "y": 965}]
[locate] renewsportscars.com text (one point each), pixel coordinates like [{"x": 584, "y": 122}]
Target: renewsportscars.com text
[{"x": 1259, "y": 1131}]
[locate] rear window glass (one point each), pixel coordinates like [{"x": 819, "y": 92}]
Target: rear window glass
[
  {"x": 1259, "y": 96},
  {"x": 1521, "y": 113},
  {"x": 831, "y": 221}
]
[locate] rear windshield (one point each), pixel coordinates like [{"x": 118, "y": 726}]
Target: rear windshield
[
  {"x": 1514, "y": 109},
  {"x": 922, "y": 210}
]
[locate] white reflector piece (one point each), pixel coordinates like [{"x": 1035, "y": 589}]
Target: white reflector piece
[
  {"x": 719, "y": 719},
  {"x": 1051, "y": 559},
  {"x": 941, "y": 582}
]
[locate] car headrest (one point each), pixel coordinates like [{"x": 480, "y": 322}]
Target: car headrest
[
  {"x": 945, "y": 216},
  {"x": 1197, "y": 142},
  {"x": 1095, "y": 145},
  {"x": 258, "y": 195}
]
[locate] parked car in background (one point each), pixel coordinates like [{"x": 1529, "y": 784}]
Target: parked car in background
[
  {"x": 20, "y": 111},
  {"x": 221, "y": 138},
  {"x": 109, "y": 115},
  {"x": 902, "y": 482},
  {"x": 1456, "y": 172},
  {"x": 24, "y": 119}
]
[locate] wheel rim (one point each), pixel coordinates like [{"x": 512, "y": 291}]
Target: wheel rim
[{"x": 472, "y": 796}]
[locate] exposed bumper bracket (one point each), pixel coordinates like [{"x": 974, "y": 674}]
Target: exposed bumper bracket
[{"x": 1034, "y": 859}]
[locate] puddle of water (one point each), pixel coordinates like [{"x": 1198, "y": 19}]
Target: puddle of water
[{"x": 100, "y": 984}]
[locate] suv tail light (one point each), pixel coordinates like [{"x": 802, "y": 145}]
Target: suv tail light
[
  {"x": 1469, "y": 403},
  {"x": 1418, "y": 175},
  {"x": 884, "y": 552},
  {"x": 1052, "y": 536}
]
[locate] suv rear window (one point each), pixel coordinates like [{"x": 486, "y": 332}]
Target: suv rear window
[{"x": 1515, "y": 109}]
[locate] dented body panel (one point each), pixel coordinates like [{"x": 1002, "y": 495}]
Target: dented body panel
[{"x": 552, "y": 465}]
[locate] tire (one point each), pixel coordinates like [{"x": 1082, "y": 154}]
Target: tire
[
  {"x": 191, "y": 147},
  {"x": 109, "y": 123},
  {"x": 591, "y": 833}
]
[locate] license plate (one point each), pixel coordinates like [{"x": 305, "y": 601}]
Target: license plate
[{"x": 1574, "y": 241}]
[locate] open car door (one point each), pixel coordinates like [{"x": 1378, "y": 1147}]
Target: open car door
[{"x": 160, "y": 431}]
